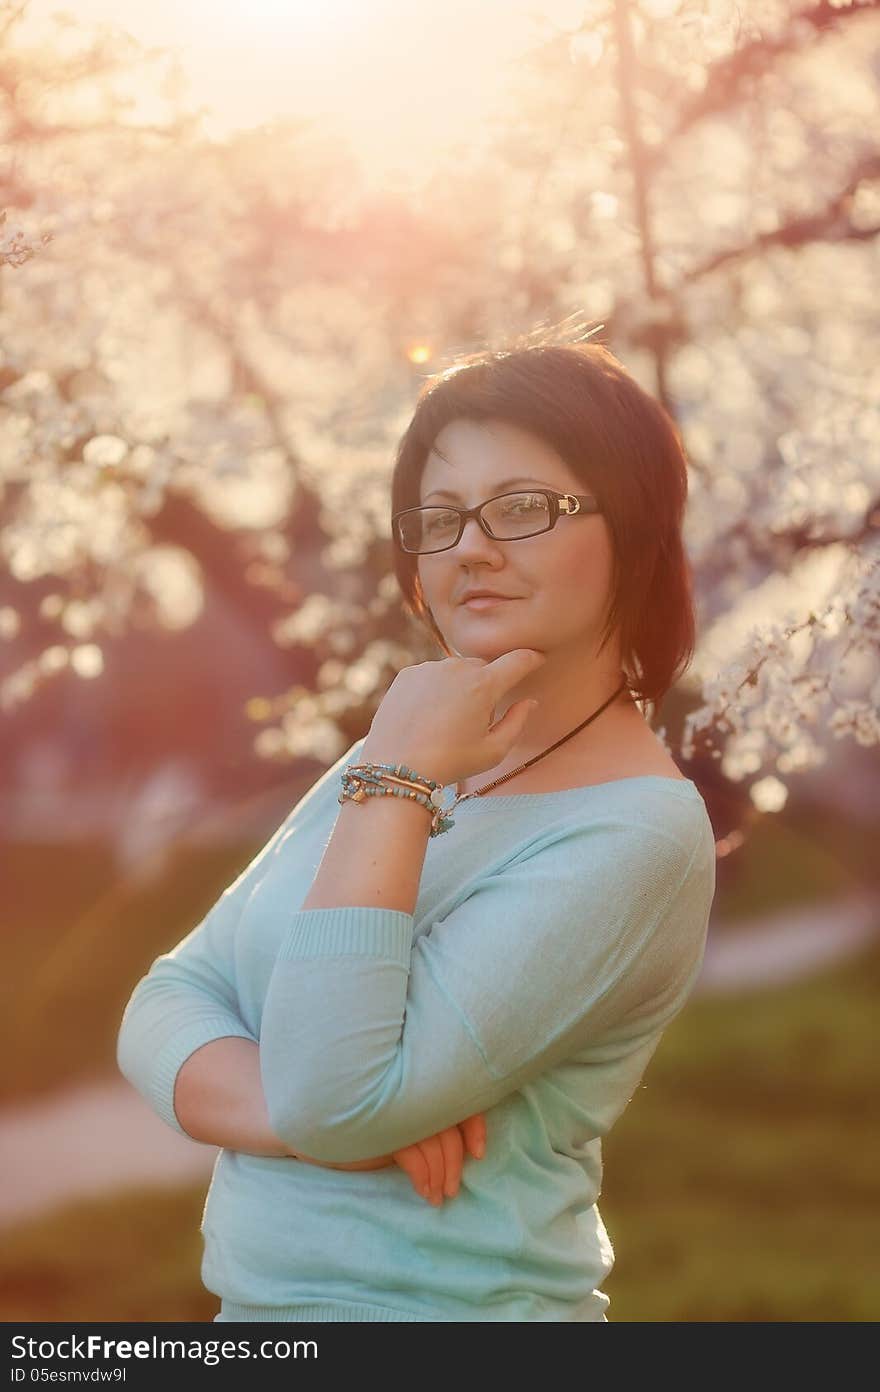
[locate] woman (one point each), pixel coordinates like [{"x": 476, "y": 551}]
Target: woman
[{"x": 383, "y": 974}]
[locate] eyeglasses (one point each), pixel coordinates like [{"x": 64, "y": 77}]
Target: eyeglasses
[{"x": 506, "y": 517}]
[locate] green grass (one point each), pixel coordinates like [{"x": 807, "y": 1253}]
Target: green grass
[{"x": 740, "y": 1183}]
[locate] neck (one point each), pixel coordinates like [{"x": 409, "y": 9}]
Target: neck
[{"x": 566, "y": 701}]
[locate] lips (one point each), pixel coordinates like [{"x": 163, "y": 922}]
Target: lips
[
  {"x": 486, "y": 604},
  {"x": 484, "y": 594}
]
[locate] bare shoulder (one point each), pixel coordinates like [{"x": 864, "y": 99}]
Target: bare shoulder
[
  {"x": 654, "y": 762},
  {"x": 630, "y": 765},
  {"x": 634, "y": 751}
]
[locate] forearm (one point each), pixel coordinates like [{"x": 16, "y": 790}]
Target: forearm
[
  {"x": 372, "y": 863},
  {"x": 375, "y": 856},
  {"x": 219, "y": 1099}
]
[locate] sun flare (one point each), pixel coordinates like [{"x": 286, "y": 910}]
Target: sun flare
[
  {"x": 400, "y": 85},
  {"x": 285, "y": 18}
]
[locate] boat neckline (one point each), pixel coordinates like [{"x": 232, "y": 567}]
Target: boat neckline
[{"x": 507, "y": 798}]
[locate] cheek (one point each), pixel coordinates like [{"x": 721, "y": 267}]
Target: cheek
[
  {"x": 432, "y": 578},
  {"x": 438, "y": 585},
  {"x": 573, "y": 585},
  {"x": 574, "y": 568}
]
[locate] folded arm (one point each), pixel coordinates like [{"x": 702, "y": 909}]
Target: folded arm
[
  {"x": 218, "y": 1099},
  {"x": 182, "y": 1042},
  {"x": 370, "y": 1039},
  {"x": 189, "y": 997}
]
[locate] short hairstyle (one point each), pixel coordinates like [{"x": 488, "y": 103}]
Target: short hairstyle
[{"x": 579, "y": 399}]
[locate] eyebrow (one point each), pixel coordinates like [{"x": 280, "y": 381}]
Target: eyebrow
[{"x": 505, "y": 483}]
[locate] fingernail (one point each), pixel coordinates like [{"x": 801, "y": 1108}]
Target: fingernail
[
  {"x": 481, "y": 1149},
  {"x": 426, "y": 1193}
]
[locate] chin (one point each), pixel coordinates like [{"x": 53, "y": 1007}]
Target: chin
[
  {"x": 489, "y": 648},
  {"x": 497, "y": 638}
]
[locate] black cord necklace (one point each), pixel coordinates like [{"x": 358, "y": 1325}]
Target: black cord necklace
[{"x": 478, "y": 792}]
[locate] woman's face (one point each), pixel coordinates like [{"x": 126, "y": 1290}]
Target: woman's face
[{"x": 558, "y": 581}]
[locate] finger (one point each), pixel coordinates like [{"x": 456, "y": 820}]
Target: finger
[
  {"x": 506, "y": 731},
  {"x": 511, "y": 667},
  {"x": 433, "y": 1153},
  {"x": 452, "y": 1145},
  {"x": 413, "y": 1163},
  {"x": 473, "y": 1129}
]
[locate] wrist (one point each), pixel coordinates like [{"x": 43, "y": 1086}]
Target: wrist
[
  {"x": 428, "y": 767},
  {"x": 368, "y": 779}
]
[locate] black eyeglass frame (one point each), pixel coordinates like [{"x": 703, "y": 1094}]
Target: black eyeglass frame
[{"x": 560, "y": 505}]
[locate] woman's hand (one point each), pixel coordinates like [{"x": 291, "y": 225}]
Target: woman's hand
[
  {"x": 436, "y": 716},
  {"x": 434, "y": 1165}
]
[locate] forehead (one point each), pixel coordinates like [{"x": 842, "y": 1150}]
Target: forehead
[{"x": 471, "y": 456}]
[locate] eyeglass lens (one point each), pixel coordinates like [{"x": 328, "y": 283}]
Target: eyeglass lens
[{"x": 508, "y": 518}]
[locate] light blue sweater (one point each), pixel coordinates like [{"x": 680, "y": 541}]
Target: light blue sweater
[{"x": 554, "y": 937}]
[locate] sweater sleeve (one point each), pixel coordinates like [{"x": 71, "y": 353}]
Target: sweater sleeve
[
  {"x": 370, "y": 1041},
  {"x": 189, "y": 996}
]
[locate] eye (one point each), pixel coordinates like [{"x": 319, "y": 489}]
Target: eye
[{"x": 525, "y": 503}]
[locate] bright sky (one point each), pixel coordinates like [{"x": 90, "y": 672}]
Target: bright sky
[{"x": 400, "y": 79}]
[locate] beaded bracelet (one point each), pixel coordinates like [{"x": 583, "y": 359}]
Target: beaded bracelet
[
  {"x": 371, "y": 780},
  {"x": 368, "y": 779}
]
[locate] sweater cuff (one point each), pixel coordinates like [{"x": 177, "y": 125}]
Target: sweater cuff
[
  {"x": 350, "y": 931},
  {"x": 174, "y": 1055}
]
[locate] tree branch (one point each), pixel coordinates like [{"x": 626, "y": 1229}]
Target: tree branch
[
  {"x": 830, "y": 224},
  {"x": 627, "y": 70},
  {"x": 727, "y": 78}
]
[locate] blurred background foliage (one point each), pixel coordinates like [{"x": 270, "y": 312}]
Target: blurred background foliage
[{"x": 210, "y": 346}]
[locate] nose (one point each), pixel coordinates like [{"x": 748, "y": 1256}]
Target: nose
[{"x": 475, "y": 542}]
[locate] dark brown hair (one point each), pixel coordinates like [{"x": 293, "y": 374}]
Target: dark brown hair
[{"x": 582, "y": 402}]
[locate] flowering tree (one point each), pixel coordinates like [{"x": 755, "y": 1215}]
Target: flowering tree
[{"x": 208, "y": 341}]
